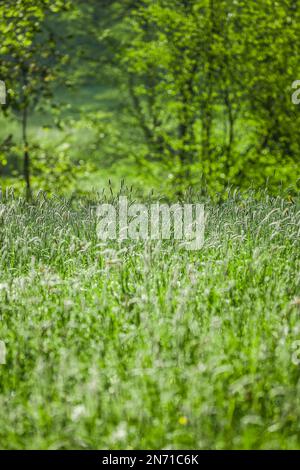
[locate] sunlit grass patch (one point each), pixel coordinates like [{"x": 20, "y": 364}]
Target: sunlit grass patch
[{"x": 144, "y": 345}]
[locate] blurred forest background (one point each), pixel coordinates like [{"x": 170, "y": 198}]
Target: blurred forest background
[{"x": 165, "y": 94}]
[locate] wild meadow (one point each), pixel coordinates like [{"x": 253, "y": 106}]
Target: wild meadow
[
  {"x": 147, "y": 345},
  {"x": 144, "y": 344}
]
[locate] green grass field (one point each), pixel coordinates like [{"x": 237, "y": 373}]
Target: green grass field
[{"x": 148, "y": 345}]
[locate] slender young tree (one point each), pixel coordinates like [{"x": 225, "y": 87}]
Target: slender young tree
[{"x": 30, "y": 59}]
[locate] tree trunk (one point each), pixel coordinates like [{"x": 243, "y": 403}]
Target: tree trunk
[{"x": 26, "y": 161}]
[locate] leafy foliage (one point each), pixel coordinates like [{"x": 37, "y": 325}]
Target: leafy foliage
[
  {"x": 202, "y": 87},
  {"x": 211, "y": 87}
]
